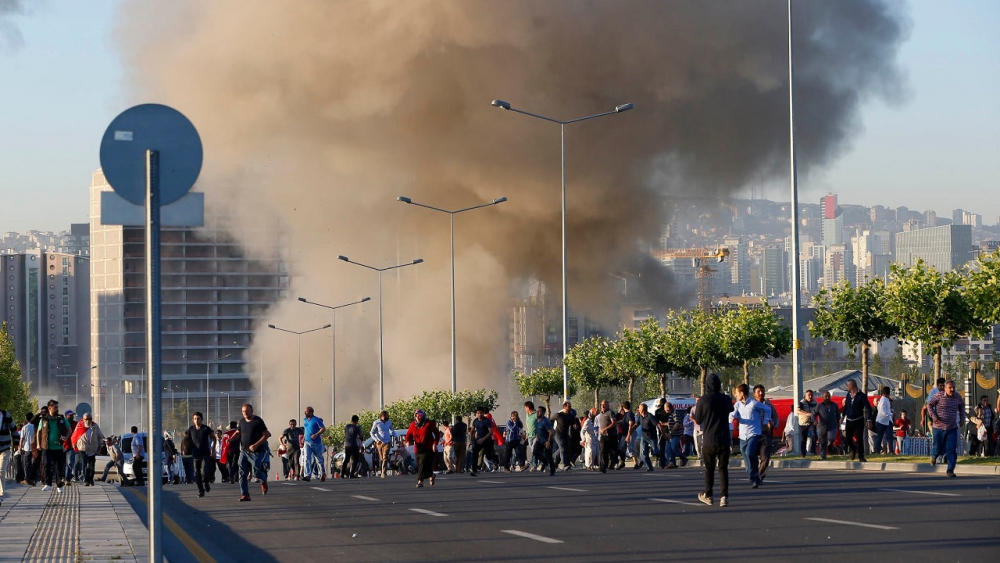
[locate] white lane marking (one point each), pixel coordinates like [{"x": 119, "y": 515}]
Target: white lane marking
[
  {"x": 542, "y": 539},
  {"x": 781, "y": 482},
  {"x": 849, "y": 523},
  {"x": 321, "y": 489},
  {"x": 568, "y": 489},
  {"x": 427, "y": 512},
  {"x": 677, "y": 502},
  {"x": 494, "y": 482},
  {"x": 921, "y": 492},
  {"x": 362, "y": 497},
  {"x": 288, "y": 483}
]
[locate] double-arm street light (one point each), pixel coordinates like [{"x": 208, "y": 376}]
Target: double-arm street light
[
  {"x": 381, "y": 368},
  {"x": 208, "y": 365},
  {"x": 562, "y": 136},
  {"x": 454, "y": 360},
  {"x": 298, "y": 335},
  {"x": 333, "y": 375}
]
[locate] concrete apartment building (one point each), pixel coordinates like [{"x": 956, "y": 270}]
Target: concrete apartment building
[
  {"x": 45, "y": 299},
  {"x": 212, "y": 297}
]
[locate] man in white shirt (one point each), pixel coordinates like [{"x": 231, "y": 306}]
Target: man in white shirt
[
  {"x": 752, "y": 416},
  {"x": 29, "y": 451},
  {"x": 883, "y": 422}
]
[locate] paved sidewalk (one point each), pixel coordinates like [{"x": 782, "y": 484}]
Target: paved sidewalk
[{"x": 80, "y": 524}]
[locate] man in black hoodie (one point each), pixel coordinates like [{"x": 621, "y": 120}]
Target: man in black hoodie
[{"x": 712, "y": 413}]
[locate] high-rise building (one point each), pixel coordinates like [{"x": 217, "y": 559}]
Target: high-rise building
[
  {"x": 833, "y": 221},
  {"x": 739, "y": 279},
  {"x": 946, "y": 248},
  {"x": 46, "y": 298},
  {"x": 838, "y": 265},
  {"x": 211, "y": 297},
  {"x": 772, "y": 271},
  {"x": 958, "y": 217}
]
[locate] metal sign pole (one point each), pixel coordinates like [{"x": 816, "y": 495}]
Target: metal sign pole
[{"x": 153, "y": 465}]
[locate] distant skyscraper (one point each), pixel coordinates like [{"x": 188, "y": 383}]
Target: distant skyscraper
[
  {"x": 838, "y": 265},
  {"x": 958, "y": 217},
  {"x": 946, "y": 248},
  {"x": 772, "y": 271},
  {"x": 833, "y": 221},
  {"x": 46, "y": 298},
  {"x": 739, "y": 280}
]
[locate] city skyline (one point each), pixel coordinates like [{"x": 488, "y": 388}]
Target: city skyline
[{"x": 932, "y": 143}]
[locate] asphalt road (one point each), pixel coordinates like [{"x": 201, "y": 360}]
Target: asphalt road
[{"x": 583, "y": 516}]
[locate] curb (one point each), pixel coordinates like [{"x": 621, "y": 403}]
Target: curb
[{"x": 872, "y": 466}]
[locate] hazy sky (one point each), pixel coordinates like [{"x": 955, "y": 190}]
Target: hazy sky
[{"x": 61, "y": 80}]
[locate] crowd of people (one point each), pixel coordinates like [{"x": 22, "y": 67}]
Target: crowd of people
[{"x": 56, "y": 450}]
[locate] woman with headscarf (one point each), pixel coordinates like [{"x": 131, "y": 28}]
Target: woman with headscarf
[
  {"x": 590, "y": 441},
  {"x": 423, "y": 435}
]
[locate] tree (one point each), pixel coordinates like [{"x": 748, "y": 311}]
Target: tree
[
  {"x": 694, "y": 343},
  {"x": 543, "y": 382},
  {"x": 15, "y": 395},
  {"x": 628, "y": 360},
  {"x": 855, "y": 316},
  {"x": 931, "y": 308},
  {"x": 656, "y": 353},
  {"x": 879, "y": 364},
  {"x": 897, "y": 364},
  {"x": 749, "y": 336},
  {"x": 982, "y": 288},
  {"x": 586, "y": 363}
]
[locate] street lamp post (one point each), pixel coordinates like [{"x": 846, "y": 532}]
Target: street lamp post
[
  {"x": 381, "y": 365},
  {"x": 333, "y": 375},
  {"x": 562, "y": 138},
  {"x": 796, "y": 282},
  {"x": 451, "y": 214},
  {"x": 227, "y": 404},
  {"x": 298, "y": 340},
  {"x": 260, "y": 392}
]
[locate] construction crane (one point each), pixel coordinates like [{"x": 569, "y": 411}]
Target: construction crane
[{"x": 701, "y": 259}]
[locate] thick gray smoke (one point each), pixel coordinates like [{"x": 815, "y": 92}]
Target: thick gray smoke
[
  {"x": 317, "y": 114},
  {"x": 10, "y": 36}
]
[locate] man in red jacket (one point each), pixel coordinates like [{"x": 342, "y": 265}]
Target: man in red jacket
[
  {"x": 230, "y": 455},
  {"x": 423, "y": 434}
]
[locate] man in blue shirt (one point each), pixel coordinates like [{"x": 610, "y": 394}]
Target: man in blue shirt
[
  {"x": 752, "y": 416},
  {"x": 312, "y": 428}
]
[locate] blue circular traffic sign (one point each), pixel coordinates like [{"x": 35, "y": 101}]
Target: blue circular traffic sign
[{"x": 151, "y": 127}]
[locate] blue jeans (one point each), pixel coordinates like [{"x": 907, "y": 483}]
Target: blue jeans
[
  {"x": 645, "y": 446},
  {"x": 883, "y": 435},
  {"x": 946, "y": 444},
  {"x": 251, "y": 461},
  {"x": 314, "y": 460},
  {"x": 749, "y": 449},
  {"x": 677, "y": 449}
]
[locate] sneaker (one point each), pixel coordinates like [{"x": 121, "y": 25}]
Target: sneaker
[
  {"x": 245, "y": 498},
  {"x": 724, "y": 501},
  {"x": 323, "y": 477},
  {"x": 59, "y": 489},
  {"x": 47, "y": 488},
  {"x": 306, "y": 478},
  {"x": 263, "y": 488},
  {"x": 705, "y": 499},
  {"x": 951, "y": 474},
  {"x": 754, "y": 485},
  {"x": 201, "y": 494},
  {"x": 933, "y": 461},
  {"x": 671, "y": 466},
  {"x": 208, "y": 487}
]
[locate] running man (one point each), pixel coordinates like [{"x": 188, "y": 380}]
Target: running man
[
  {"x": 752, "y": 416},
  {"x": 253, "y": 436},
  {"x": 202, "y": 440},
  {"x": 312, "y": 429},
  {"x": 947, "y": 414}
]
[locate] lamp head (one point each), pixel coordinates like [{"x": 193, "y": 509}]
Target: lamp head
[
  {"x": 499, "y": 200},
  {"x": 271, "y": 326},
  {"x": 327, "y": 326},
  {"x": 302, "y": 299},
  {"x": 418, "y": 261},
  {"x": 344, "y": 258},
  {"x": 500, "y": 104},
  {"x": 404, "y": 199},
  {"x": 624, "y": 107},
  {"x": 363, "y": 299}
]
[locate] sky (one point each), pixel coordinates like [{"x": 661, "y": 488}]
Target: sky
[{"x": 61, "y": 83}]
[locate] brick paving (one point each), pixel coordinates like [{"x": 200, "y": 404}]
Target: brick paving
[{"x": 81, "y": 524}]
